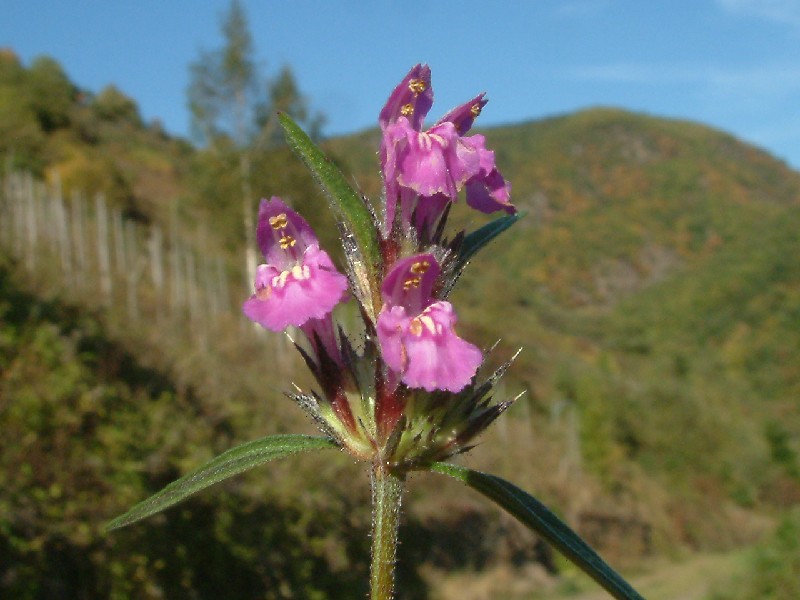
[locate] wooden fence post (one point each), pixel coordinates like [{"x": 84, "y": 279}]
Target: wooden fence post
[
  {"x": 103, "y": 250},
  {"x": 64, "y": 242},
  {"x": 155, "y": 243},
  {"x": 132, "y": 270},
  {"x": 78, "y": 242},
  {"x": 28, "y": 197}
]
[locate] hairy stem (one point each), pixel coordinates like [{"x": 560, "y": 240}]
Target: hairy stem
[{"x": 387, "y": 490}]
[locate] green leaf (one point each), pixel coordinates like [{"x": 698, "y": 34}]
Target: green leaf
[
  {"x": 230, "y": 463},
  {"x": 350, "y": 209},
  {"x": 543, "y": 521},
  {"x": 478, "y": 239}
]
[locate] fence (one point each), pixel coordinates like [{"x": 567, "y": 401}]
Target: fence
[
  {"x": 153, "y": 280},
  {"x": 150, "y": 283},
  {"x": 106, "y": 259}
]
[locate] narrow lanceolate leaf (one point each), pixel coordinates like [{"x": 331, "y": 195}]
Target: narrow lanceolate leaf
[
  {"x": 478, "y": 239},
  {"x": 543, "y": 521},
  {"x": 349, "y": 208},
  {"x": 230, "y": 463}
]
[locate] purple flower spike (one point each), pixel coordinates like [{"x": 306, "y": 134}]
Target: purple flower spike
[
  {"x": 299, "y": 281},
  {"x": 412, "y": 98},
  {"x": 416, "y": 332}
]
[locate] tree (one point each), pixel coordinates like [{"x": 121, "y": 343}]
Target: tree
[
  {"x": 229, "y": 97},
  {"x": 233, "y": 105},
  {"x": 224, "y": 83},
  {"x": 51, "y": 93},
  {"x": 221, "y": 101},
  {"x": 284, "y": 96},
  {"x": 112, "y": 105}
]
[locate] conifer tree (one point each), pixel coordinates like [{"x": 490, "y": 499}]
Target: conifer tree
[{"x": 233, "y": 104}]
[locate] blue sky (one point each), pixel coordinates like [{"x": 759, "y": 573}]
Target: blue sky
[{"x": 732, "y": 64}]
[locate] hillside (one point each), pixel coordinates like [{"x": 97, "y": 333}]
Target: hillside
[
  {"x": 654, "y": 289},
  {"x": 621, "y": 208},
  {"x": 652, "y": 286},
  {"x": 617, "y": 199}
]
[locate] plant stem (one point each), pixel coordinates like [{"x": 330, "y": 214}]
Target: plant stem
[{"x": 387, "y": 490}]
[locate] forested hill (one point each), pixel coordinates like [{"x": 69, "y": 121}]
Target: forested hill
[
  {"x": 654, "y": 288},
  {"x": 652, "y": 284},
  {"x": 638, "y": 230}
]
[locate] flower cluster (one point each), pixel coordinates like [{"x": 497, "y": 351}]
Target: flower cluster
[
  {"x": 412, "y": 363},
  {"x": 425, "y": 170},
  {"x": 411, "y": 392}
]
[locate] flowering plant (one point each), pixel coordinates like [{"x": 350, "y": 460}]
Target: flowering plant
[{"x": 412, "y": 392}]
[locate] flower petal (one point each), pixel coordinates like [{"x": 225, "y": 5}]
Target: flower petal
[
  {"x": 282, "y": 234},
  {"x": 428, "y": 211},
  {"x": 391, "y": 326},
  {"x": 410, "y": 283},
  {"x": 309, "y": 290},
  {"x": 412, "y": 98},
  {"x": 436, "y": 358},
  {"x": 490, "y": 193},
  {"x": 422, "y": 161},
  {"x": 463, "y": 116}
]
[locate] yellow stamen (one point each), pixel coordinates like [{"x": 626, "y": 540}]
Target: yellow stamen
[
  {"x": 415, "y": 327},
  {"x": 412, "y": 282},
  {"x": 407, "y": 110},
  {"x": 278, "y": 221},
  {"x": 287, "y": 241},
  {"x": 420, "y": 267},
  {"x": 417, "y": 86},
  {"x": 475, "y": 110}
]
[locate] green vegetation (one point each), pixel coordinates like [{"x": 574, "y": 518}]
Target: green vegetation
[
  {"x": 772, "y": 568},
  {"x": 86, "y": 143},
  {"x": 89, "y": 430},
  {"x": 654, "y": 289}
]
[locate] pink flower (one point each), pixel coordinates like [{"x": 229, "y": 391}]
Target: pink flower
[
  {"x": 439, "y": 162},
  {"x": 298, "y": 282},
  {"x": 430, "y": 162},
  {"x": 464, "y": 115},
  {"x": 487, "y": 191},
  {"x": 416, "y": 332},
  {"x": 412, "y": 98}
]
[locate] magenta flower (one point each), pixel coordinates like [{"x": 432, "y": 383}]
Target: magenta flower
[
  {"x": 463, "y": 116},
  {"x": 438, "y": 163},
  {"x": 487, "y": 191},
  {"x": 416, "y": 331},
  {"x": 412, "y": 98},
  {"x": 429, "y": 162},
  {"x": 298, "y": 282}
]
